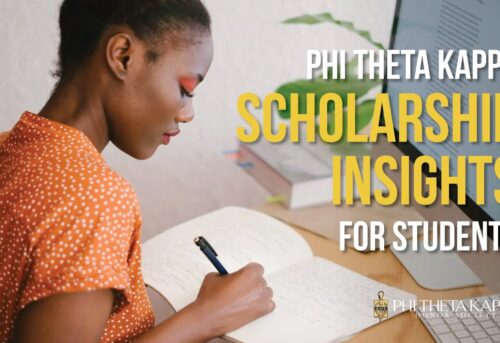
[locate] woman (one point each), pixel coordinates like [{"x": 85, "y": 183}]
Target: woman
[{"x": 69, "y": 225}]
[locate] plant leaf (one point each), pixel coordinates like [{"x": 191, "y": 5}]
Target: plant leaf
[
  {"x": 364, "y": 115},
  {"x": 320, "y": 87},
  {"x": 351, "y": 69},
  {"x": 310, "y": 19}
]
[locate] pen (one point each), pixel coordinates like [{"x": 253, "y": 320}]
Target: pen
[{"x": 210, "y": 253}]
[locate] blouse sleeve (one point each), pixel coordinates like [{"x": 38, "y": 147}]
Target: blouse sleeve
[
  {"x": 83, "y": 244},
  {"x": 3, "y": 136}
]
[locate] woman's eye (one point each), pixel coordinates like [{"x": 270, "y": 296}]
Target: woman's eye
[{"x": 184, "y": 92}]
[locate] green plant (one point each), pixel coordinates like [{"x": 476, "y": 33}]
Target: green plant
[{"x": 319, "y": 86}]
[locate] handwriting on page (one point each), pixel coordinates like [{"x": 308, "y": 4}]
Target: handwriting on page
[
  {"x": 323, "y": 293},
  {"x": 173, "y": 265}
]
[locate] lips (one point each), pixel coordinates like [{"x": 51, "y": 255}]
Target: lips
[
  {"x": 165, "y": 138},
  {"x": 172, "y": 133},
  {"x": 167, "y": 135}
]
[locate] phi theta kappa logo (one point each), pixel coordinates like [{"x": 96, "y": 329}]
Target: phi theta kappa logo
[{"x": 380, "y": 307}]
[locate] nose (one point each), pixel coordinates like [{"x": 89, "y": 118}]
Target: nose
[{"x": 185, "y": 115}]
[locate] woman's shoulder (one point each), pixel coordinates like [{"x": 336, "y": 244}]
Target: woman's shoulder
[
  {"x": 71, "y": 183},
  {"x": 60, "y": 165},
  {"x": 94, "y": 185},
  {"x": 3, "y": 136}
]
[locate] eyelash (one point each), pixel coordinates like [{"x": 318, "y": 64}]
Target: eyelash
[{"x": 184, "y": 92}]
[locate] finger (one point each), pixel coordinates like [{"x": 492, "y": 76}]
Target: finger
[
  {"x": 211, "y": 275},
  {"x": 256, "y": 268},
  {"x": 263, "y": 283},
  {"x": 268, "y": 293},
  {"x": 270, "y": 307},
  {"x": 252, "y": 267}
]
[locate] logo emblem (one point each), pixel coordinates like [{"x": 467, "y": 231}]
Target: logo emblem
[{"x": 380, "y": 307}]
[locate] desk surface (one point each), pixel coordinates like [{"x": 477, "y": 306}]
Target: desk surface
[
  {"x": 381, "y": 266},
  {"x": 384, "y": 267}
]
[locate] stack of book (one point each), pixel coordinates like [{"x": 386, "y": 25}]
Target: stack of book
[{"x": 299, "y": 173}]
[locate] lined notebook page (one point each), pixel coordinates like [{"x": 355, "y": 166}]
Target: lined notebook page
[
  {"x": 318, "y": 301},
  {"x": 174, "y": 266}
]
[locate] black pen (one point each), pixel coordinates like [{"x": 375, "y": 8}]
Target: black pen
[{"x": 210, "y": 253}]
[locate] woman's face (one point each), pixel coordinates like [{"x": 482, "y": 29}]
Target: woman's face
[{"x": 145, "y": 109}]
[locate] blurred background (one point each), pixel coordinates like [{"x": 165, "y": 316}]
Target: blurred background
[{"x": 254, "y": 52}]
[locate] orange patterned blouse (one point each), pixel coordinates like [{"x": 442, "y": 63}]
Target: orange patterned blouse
[{"x": 68, "y": 223}]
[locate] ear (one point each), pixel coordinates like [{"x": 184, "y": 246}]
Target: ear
[{"x": 120, "y": 54}]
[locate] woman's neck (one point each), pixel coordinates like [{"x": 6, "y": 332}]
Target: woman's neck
[{"x": 77, "y": 103}]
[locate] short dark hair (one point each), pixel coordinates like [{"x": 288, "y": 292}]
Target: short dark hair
[{"x": 82, "y": 23}]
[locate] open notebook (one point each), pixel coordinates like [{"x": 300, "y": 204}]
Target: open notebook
[{"x": 316, "y": 300}]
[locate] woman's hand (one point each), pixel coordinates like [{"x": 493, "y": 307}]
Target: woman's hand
[
  {"x": 230, "y": 301},
  {"x": 224, "y": 303}
]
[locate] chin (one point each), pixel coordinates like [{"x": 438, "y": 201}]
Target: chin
[
  {"x": 137, "y": 152},
  {"x": 141, "y": 157},
  {"x": 142, "y": 154}
]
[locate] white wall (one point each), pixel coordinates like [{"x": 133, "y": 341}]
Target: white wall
[{"x": 253, "y": 53}]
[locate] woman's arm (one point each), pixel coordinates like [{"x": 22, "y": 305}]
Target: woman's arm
[
  {"x": 224, "y": 303},
  {"x": 68, "y": 317}
]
